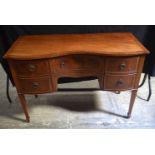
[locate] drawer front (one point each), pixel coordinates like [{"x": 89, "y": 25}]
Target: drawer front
[
  {"x": 117, "y": 83},
  {"x": 30, "y": 68},
  {"x": 121, "y": 65},
  {"x": 34, "y": 85},
  {"x": 77, "y": 62}
]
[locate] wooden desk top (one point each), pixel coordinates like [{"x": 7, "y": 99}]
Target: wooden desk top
[{"x": 50, "y": 46}]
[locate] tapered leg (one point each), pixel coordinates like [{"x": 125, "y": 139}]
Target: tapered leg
[
  {"x": 132, "y": 100},
  {"x": 24, "y": 106}
]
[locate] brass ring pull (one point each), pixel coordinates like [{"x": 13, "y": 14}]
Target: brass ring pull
[
  {"x": 35, "y": 84},
  {"x": 122, "y": 66},
  {"x": 32, "y": 67}
]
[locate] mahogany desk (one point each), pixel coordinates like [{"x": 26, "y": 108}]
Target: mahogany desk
[{"x": 38, "y": 61}]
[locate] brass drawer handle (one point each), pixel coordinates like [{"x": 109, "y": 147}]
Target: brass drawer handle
[
  {"x": 32, "y": 67},
  {"x": 62, "y": 64},
  {"x": 122, "y": 66},
  {"x": 119, "y": 82},
  {"x": 35, "y": 84}
]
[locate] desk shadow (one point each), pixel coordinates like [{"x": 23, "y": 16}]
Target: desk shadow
[
  {"x": 113, "y": 113},
  {"x": 79, "y": 103},
  {"x": 82, "y": 102},
  {"x": 10, "y": 110},
  {"x": 73, "y": 102}
]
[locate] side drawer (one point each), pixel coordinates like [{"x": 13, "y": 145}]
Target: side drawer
[
  {"x": 121, "y": 65},
  {"x": 119, "y": 82},
  {"x": 28, "y": 68},
  {"x": 34, "y": 85}
]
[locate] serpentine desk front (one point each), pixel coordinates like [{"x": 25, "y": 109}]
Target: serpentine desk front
[{"x": 38, "y": 61}]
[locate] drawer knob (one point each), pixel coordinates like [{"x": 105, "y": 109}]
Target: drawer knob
[
  {"x": 35, "y": 84},
  {"x": 119, "y": 82},
  {"x": 122, "y": 66},
  {"x": 62, "y": 64},
  {"x": 32, "y": 67}
]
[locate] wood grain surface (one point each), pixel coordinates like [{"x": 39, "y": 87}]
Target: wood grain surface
[{"x": 49, "y": 46}]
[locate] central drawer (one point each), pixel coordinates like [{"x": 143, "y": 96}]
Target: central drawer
[{"x": 68, "y": 64}]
